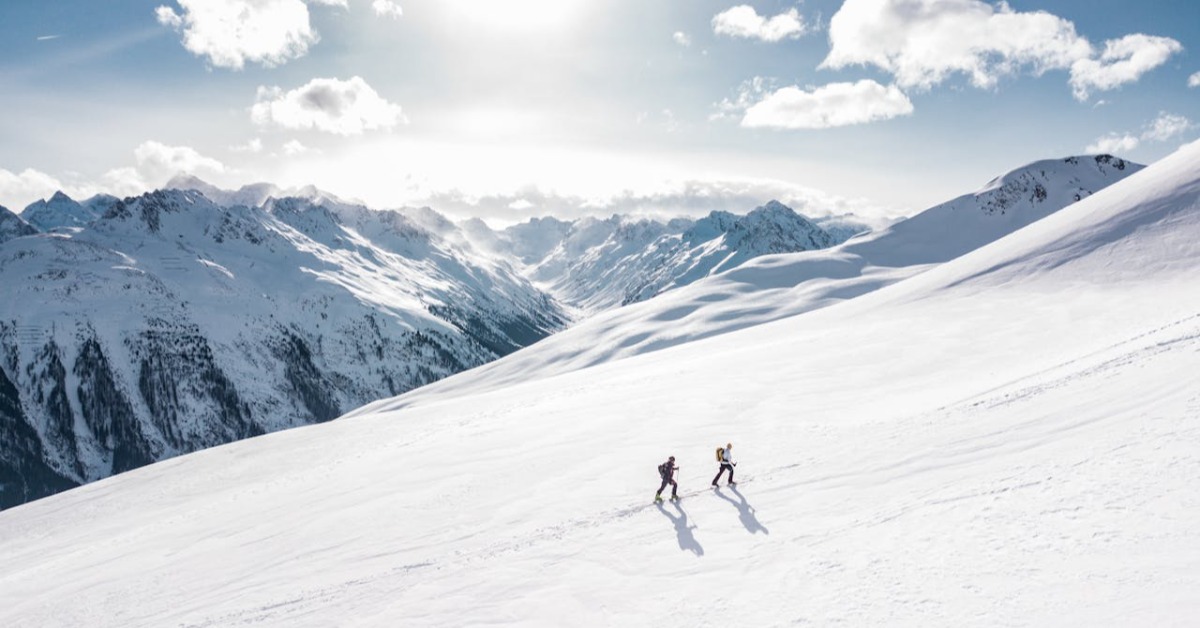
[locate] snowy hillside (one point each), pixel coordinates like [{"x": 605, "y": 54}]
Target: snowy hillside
[
  {"x": 1007, "y": 439},
  {"x": 771, "y": 287},
  {"x": 172, "y": 324},
  {"x": 598, "y": 264}
]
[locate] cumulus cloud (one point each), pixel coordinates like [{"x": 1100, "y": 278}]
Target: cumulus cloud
[
  {"x": 682, "y": 39},
  {"x": 387, "y": 8},
  {"x": 1123, "y": 61},
  {"x": 325, "y": 104},
  {"x": 231, "y": 33},
  {"x": 1163, "y": 128},
  {"x": 19, "y": 189},
  {"x": 744, "y": 21},
  {"x": 294, "y": 147},
  {"x": 1194, "y": 80},
  {"x": 155, "y": 164},
  {"x": 924, "y": 42},
  {"x": 253, "y": 146},
  {"x": 1114, "y": 144},
  {"x": 833, "y": 105},
  {"x": 1167, "y": 126}
]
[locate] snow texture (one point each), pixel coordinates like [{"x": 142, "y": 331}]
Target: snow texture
[{"x": 1007, "y": 438}]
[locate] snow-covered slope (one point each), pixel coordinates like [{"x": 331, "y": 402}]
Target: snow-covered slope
[
  {"x": 1008, "y": 439},
  {"x": 172, "y": 324},
  {"x": 771, "y": 287}
]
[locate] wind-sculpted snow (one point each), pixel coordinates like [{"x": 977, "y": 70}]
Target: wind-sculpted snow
[
  {"x": 172, "y": 323},
  {"x": 1008, "y": 438}
]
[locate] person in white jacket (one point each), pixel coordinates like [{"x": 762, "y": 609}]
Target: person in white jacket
[{"x": 725, "y": 457}]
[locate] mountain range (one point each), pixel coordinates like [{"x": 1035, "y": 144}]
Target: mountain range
[{"x": 135, "y": 330}]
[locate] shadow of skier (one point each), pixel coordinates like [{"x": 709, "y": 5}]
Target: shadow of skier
[
  {"x": 745, "y": 511},
  {"x": 687, "y": 540}
]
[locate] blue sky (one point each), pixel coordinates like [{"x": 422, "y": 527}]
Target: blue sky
[{"x": 510, "y": 108}]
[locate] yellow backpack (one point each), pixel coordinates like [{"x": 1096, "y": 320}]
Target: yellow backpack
[{"x": 720, "y": 454}]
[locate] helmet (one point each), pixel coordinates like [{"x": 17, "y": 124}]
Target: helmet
[{"x": 671, "y": 458}]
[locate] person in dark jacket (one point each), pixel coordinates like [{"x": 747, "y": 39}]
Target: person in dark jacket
[
  {"x": 725, "y": 456},
  {"x": 667, "y": 471}
]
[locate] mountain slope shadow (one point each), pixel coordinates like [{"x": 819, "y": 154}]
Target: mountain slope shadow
[
  {"x": 687, "y": 540},
  {"x": 745, "y": 511}
]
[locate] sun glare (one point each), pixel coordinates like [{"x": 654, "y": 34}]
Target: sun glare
[{"x": 518, "y": 15}]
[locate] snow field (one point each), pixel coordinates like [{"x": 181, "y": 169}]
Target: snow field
[{"x": 1010, "y": 439}]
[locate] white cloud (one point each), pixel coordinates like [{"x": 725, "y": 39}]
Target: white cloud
[
  {"x": 253, "y": 146},
  {"x": 1167, "y": 126},
  {"x": 833, "y": 105},
  {"x": 168, "y": 17},
  {"x": 1194, "y": 80},
  {"x": 294, "y": 147},
  {"x": 18, "y": 190},
  {"x": 1114, "y": 143},
  {"x": 1161, "y": 129},
  {"x": 924, "y": 42},
  {"x": 749, "y": 93},
  {"x": 231, "y": 33},
  {"x": 330, "y": 105},
  {"x": 744, "y": 21},
  {"x": 1123, "y": 61},
  {"x": 156, "y": 163},
  {"x": 387, "y": 8},
  {"x": 682, "y": 39}
]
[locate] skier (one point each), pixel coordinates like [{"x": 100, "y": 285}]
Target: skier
[
  {"x": 725, "y": 457},
  {"x": 667, "y": 471}
]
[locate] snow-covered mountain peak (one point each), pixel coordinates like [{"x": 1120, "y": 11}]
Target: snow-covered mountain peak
[
  {"x": 770, "y": 228},
  {"x": 1072, "y": 178},
  {"x": 12, "y": 226},
  {"x": 61, "y": 211},
  {"x": 155, "y": 209}
]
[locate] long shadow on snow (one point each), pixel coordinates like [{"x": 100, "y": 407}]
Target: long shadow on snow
[
  {"x": 687, "y": 540},
  {"x": 745, "y": 511}
]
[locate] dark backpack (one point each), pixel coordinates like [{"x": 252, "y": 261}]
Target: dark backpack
[{"x": 662, "y": 470}]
